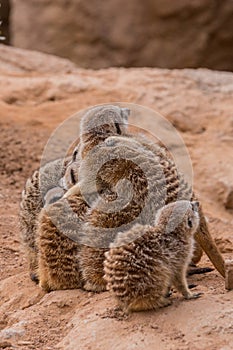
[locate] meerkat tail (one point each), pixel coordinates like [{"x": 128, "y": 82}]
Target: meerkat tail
[{"x": 207, "y": 243}]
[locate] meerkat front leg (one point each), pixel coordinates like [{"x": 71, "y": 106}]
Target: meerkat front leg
[
  {"x": 180, "y": 282},
  {"x": 43, "y": 276},
  {"x": 91, "y": 262}
]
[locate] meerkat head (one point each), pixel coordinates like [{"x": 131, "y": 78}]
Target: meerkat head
[
  {"x": 109, "y": 118},
  {"x": 181, "y": 215}
]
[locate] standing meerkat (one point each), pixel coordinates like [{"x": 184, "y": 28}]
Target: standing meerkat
[{"x": 140, "y": 273}]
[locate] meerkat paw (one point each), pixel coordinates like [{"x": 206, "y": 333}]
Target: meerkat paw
[
  {"x": 190, "y": 295},
  {"x": 164, "y": 301},
  {"x": 97, "y": 288},
  {"x": 45, "y": 286},
  {"x": 145, "y": 304}
]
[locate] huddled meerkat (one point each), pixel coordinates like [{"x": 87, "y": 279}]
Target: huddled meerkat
[
  {"x": 140, "y": 273},
  {"x": 49, "y": 183},
  {"x": 33, "y": 198}
]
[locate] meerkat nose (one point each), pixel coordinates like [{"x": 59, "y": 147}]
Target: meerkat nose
[
  {"x": 195, "y": 205},
  {"x": 125, "y": 112}
]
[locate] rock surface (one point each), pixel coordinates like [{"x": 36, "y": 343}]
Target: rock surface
[
  {"x": 38, "y": 95},
  {"x": 155, "y": 33}
]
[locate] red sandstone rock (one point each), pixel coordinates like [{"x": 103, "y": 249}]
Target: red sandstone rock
[{"x": 156, "y": 33}]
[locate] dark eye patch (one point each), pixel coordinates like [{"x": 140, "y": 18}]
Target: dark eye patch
[
  {"x": 118, "y": 128},
  {"x": 190, "y": 223},
  {"x": 74, "y": 155},
  {"x": 72, "y": 176}
]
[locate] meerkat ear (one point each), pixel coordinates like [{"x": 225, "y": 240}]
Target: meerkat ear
[
  {"x": 195, "y": 205},
  {"x": 125, "y": 112}
]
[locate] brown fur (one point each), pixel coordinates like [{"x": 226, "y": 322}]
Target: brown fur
[
  {"x": 58, "y": 230},
  {"x": 41, "y": 187},
  {"x": 140, "y": 273}
]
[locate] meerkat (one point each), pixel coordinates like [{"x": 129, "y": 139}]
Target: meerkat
[
  {"x": 49, "y": 183},
  {"x": 58, "y": 225},
  {"x": 140, "y": 273},
  {"x": 96, "y": 125},
  {"x": 32, "y": 201}
]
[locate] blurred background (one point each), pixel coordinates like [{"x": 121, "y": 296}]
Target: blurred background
[{"x": 133, "y": 33}]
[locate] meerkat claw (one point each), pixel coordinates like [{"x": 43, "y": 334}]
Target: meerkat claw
[{"x": 194, "y": 296}]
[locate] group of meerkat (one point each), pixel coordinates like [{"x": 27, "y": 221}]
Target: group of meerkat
[{"x": 80, "y": 232}]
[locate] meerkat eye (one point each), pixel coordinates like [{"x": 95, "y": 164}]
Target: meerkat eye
[
  {"x": 74, "y": 155},
  {"x": 117, "y": 126},
  {"x": 190, "y": 223},
  {"x": 72, "y": 176}
]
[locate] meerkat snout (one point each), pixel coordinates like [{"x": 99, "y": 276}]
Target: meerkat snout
[
  {"x": 193, "y": 217},
  {"x": 110, "y": 142},
  {"x": 195, "y": 205},
  {"x": 125, "y": 112}
]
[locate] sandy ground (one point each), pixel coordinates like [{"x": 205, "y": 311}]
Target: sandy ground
[{"x": 32, "y": 103}]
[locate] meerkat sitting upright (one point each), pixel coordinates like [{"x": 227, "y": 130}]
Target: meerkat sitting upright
[{"x": 140, "y": 271}]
